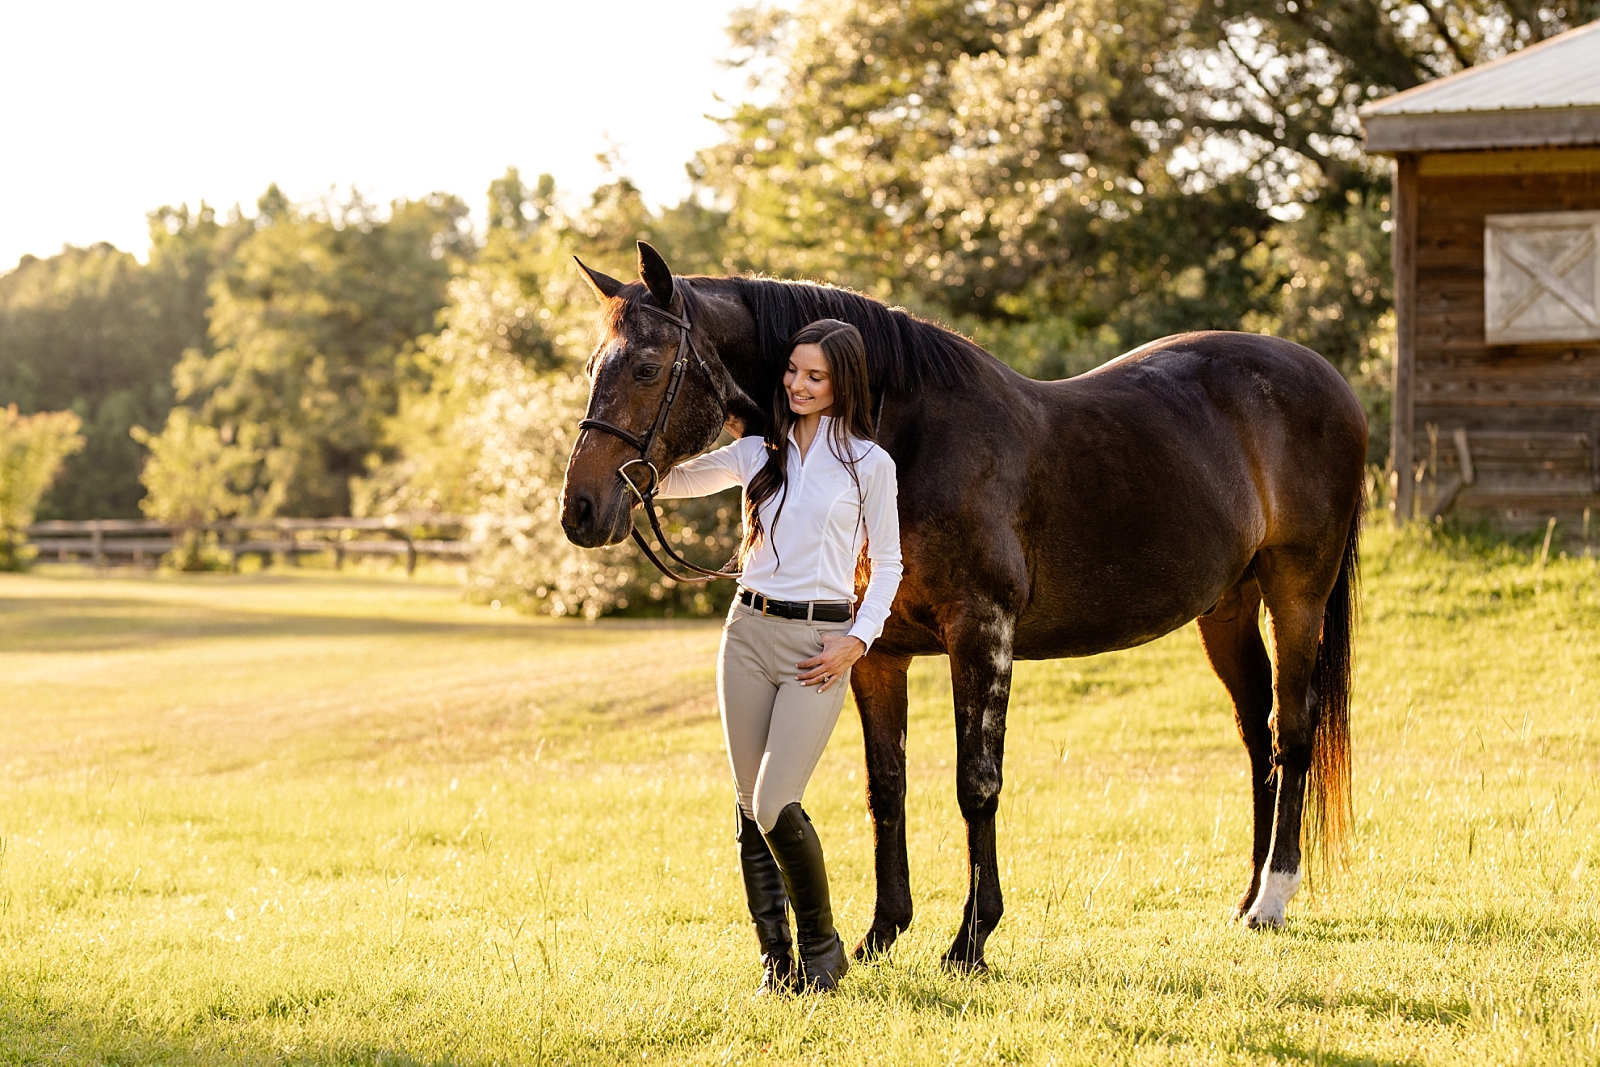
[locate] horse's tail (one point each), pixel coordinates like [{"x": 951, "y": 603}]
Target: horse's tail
[{"x": 1328, "y": 786}]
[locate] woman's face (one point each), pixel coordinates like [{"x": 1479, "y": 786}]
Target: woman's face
[{"x": 808, "y": 382}]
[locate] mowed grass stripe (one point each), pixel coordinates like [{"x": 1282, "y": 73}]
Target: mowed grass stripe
[{"x": 312, "y": 819}]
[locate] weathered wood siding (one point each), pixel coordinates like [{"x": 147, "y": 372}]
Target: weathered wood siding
[{"x": 1531, "y": 412}]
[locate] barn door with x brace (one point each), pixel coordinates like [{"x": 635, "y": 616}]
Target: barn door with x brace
[{"x": 1541, "y": 277}]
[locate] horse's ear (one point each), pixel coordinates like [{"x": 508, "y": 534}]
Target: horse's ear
[
  {"x": 656, "y": 275},
  {"x": 604, "y": 286}
]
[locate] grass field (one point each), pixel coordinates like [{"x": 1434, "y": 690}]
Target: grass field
[{"x": 310, "y": 819}]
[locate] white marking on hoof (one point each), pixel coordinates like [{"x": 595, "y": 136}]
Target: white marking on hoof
[{"x": 1277, "y": 889}]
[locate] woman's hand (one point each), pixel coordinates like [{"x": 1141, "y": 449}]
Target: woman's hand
[{"x": 839, "y": 651}]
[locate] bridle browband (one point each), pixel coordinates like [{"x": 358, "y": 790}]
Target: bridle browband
[{"x": 646, "y": 496}]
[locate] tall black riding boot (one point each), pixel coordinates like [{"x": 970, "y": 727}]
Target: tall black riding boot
[
  {"x": 769, "y": 907},
  {"x": 798, "y": 850}
]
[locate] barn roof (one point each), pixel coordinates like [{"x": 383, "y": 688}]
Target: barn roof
[{"x": 1547, "y": 94}]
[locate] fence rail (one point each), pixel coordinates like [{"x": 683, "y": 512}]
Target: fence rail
[{"x": 143, "y": 542}]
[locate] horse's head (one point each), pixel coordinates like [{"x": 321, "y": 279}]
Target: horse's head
[{"x": 629, "y": 377}]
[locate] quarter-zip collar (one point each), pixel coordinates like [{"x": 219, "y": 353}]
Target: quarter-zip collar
[{"x": 824, "y": 421}]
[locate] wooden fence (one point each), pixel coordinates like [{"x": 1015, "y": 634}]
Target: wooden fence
[{"x": 103, "y": 542}]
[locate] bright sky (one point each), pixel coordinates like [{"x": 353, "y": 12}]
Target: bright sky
[{"x": 113, "y": 109}]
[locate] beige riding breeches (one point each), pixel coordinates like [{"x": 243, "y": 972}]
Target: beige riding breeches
[{"x": 775, "y": 727}]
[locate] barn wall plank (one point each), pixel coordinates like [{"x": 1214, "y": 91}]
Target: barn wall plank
[
  {"x": 1510, "y": 161},
  {"x": 1582, "y": 359},
  {"x": 1404, "y": 257},
  {"x": 1480, "y": 418}
]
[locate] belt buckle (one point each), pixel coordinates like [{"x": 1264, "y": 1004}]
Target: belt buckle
[{"x": 766, "y": 602}]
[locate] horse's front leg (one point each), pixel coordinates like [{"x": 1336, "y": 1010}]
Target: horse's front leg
[
  {"x": 878, "y": 681},
  {"x": 980, "y": 671}
]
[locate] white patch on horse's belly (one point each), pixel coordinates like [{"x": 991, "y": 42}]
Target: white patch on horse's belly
[{"x": 1277, "y": 889}]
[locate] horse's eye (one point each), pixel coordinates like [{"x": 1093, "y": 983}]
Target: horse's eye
[{"x": 647, "y": 372}]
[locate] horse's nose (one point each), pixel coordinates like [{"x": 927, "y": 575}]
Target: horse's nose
[{"x": 577, "y": 518}]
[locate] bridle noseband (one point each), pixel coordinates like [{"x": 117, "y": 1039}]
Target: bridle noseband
[{"x": 680, "y": 367}]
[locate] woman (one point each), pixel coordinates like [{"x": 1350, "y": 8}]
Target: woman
[{"x": 814, "y": 489}]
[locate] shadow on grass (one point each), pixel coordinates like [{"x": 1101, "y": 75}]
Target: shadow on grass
[
  {"x": 1287, "y": 1050},
  {"x": 32, "y": 1032},
  {"x": 1194, "y": 984},
  {"x": 97, "y": 624},
  {"x": 1275, "y": 1049},
  {"x": 954, "y": 997},
  {"x": 937, "y": 992},
  {"x": 35, "y": 1032},
  {"x": 1382, "y": 1005},
  {"x": 1493, "y": 927}
]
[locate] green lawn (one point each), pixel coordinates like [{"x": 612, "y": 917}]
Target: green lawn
[{"x": 311, "y": 819}]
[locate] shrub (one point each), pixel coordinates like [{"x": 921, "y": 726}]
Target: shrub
[
  {"x": 194, "y": 476},
  {"x": 32, "y": 449}
]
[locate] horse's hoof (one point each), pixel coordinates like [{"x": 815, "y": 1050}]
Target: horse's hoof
[
  {"x": 875, "y": 945},
  {"x": 1277, "y": 889},
  {"x": 961, "y": 965}
]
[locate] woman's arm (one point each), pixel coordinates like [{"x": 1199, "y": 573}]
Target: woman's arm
[
  {"x": 880, "y": 511},
  {"x": 710, "y": 473}
]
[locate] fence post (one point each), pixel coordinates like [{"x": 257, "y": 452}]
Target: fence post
[{"x": 97, "y": 544}]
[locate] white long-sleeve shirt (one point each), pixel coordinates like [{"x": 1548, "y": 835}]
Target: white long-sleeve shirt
[{"x": 810, "y": 551}]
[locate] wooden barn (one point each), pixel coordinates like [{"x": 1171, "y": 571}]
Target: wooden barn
[{"x": 1497, "y": 286}]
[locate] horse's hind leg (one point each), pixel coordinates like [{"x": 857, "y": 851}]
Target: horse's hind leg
[
  {"x": 1231, "y": 637},
  {"x": 1295, "y": 588},
  {"x": 879, "y": 683}
]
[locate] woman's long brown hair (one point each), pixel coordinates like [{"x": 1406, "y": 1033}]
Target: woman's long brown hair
[{"x": 851, "y": 413}]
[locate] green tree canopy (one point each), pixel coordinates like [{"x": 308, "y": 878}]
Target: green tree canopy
[
  {"x": 312, "y": 320},
  {"x": 93, "y": 330}
]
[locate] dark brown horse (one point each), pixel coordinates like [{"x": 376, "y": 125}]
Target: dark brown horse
[{"x": 1193, "y": 478}]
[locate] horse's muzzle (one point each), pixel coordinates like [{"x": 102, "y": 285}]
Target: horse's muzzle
[{"x": 591, "y": 523}]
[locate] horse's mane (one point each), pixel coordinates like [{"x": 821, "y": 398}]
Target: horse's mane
[{"x": 904, "y": 353}]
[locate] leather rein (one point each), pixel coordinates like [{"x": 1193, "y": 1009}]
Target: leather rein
[{"x": 647, "y": 495}]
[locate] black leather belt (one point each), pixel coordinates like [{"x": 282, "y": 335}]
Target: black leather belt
[{"x": 811, "y": 610}]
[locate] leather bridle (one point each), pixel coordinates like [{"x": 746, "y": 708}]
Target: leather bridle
[{"x": 646, "y": 496}]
